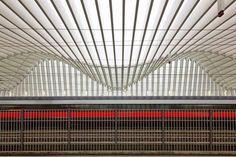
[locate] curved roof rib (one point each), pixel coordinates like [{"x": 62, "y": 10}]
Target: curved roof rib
[
  {"x": 56, "y": 78},
  {"x": 219, "y": 67},
  {"x": 14, "y": 68},
  {"x": 117, "y": 43}
]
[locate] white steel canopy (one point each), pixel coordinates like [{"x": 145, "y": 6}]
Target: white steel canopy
[{"x": 115, "y": 42}]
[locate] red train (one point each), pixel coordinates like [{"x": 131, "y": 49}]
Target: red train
[{"x": 119, "y": 114}]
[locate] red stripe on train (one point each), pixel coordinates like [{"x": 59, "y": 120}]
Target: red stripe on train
[
  {"x": 184, "y": 114},
  {"x": 113, "y": 114}
]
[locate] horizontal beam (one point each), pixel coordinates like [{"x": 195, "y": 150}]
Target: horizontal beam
[{"x": 117, "y": 100}]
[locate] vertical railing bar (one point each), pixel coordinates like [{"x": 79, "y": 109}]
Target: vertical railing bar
[
  {"x": 163, "y": 129},
  {"x": 210, "y": 129},
  {"x": 69, "y": 128},
  {"x": 116, "y": 128},
  {"x": 22, "y": 129}
]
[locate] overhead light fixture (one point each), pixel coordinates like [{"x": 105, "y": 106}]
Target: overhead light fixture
[{"x": 221, "y": 8}]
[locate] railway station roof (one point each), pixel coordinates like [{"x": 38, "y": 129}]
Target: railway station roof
[{"x": 117, "y": 42}]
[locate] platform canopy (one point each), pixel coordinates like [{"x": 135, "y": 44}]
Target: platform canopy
[{"x": 116, "y": 42}]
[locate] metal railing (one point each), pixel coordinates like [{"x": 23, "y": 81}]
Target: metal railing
[{"x": 78, "y": 130}]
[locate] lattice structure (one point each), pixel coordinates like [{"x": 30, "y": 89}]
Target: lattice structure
[{"x": 117, "y": 129}]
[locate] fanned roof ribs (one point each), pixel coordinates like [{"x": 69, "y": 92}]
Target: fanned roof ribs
[{"x": 115, "y": 42}]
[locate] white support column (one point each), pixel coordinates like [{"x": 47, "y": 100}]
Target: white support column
[
  {"x": 175, "y": 70},
  {"x": 185, "y": 78},
  {"x": 180, "y": 77},
  {"x": 163, "y": 80},
  {"x": 158, "y": 82},
  {"x": 191, "y": 77},
  {"x": 169, "y": 82},
  {"x": 49, "y": 77}
]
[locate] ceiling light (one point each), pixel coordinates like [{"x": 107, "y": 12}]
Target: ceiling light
[{"x": 220, "y": 8}]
